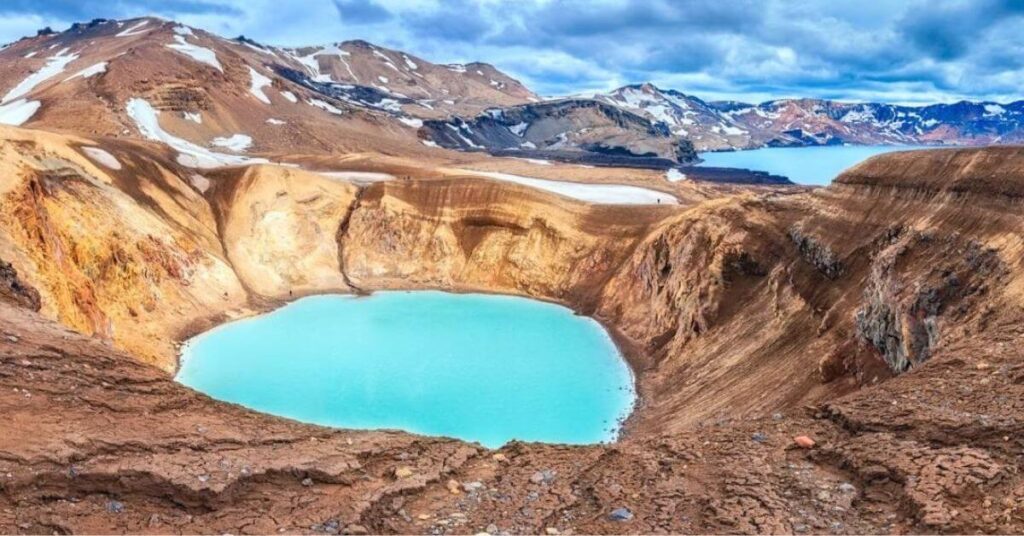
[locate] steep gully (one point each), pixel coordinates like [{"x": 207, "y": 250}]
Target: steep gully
[{"x": 737, "y": 313}]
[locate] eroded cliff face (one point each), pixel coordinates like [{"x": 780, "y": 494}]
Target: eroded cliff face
[
  {"x": 900, "y": 292},
  {"x": 478, "y": 234}
]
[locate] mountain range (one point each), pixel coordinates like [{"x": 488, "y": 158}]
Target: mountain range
[{"x": 233, "y": 100}]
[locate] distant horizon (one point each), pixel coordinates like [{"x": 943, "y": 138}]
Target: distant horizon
[{"x": 915, "y": 53}]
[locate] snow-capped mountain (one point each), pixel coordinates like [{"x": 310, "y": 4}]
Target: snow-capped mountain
[
  {"x": 723, "y": 125},
  {"x": 218, "y": 100}
]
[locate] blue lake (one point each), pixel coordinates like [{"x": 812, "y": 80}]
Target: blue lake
[
  {"x": 803, "y": 165},
  {"x": 477, "y": 367}
]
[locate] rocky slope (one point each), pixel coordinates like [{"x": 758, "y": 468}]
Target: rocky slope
[
  {"x": 574, "y": 130},
  {"x": 879, "y": 316}
]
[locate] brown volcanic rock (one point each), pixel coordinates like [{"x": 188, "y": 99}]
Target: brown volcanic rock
[{"x": 725, "y": 316}]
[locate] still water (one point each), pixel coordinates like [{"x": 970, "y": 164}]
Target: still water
[
  {"x": 477, "y": 367},
  {"x": 803, "y": 165}
]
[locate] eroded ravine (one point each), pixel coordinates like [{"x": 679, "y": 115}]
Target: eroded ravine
[{"x": 744, "y": 310}]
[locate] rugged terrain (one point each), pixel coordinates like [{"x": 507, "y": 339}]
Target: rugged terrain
[
  {"x": 879, "y": 316},
  {"x": 878, "y": 320}
]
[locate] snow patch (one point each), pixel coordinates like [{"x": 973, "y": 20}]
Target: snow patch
[
  {"x": 326, "y": 106},
  {"x": 196, "y": 52},
  {"x": 519, "y": 129},
  {"x": 273, "y": 121},
  {"x": 195, "y": 117},
  {"x": 190, "y": 154},
  {"x": 102, "y": 157},
  {"x": 237, "y": 142},
  {"x": 409, "y": 63},
  {"x": 92, "y": 70},
  {"x": 411, "y": 121},
  {"x": 54, "y": 65},
  {"x": 17, "y": 112},
  {"x": 134, "y": 30},
  {"x": 357, "y": 177},
  {"x": 606, "y": 194},
  {"x": 288, "y": 95},
  {"x": 256, "y": 84},
  {"x": 674, "y": 175},
  {"x": 430, "y": 143},
  {"x": 183, "y": 30}
]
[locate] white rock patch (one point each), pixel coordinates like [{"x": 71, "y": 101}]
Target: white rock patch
[
  {"x": 256, "y": 84},
  {"x": 102, "y": 157}
]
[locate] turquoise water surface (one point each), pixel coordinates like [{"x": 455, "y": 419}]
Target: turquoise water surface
[
  {"x": 478, "y": 367},
  {"x": 803, "y": 165}
]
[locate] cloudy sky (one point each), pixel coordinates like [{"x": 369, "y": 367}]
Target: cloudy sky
[{"x": 908, "y": 51}]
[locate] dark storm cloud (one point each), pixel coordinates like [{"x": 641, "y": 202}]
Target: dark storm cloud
[
  {"x": 361, "y": 11},
  {"x": 82, "y": 10},
  {"x": 863, "y": 49}
]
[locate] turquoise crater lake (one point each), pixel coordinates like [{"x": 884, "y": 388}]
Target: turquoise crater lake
[{"x": 477, "y": 367}]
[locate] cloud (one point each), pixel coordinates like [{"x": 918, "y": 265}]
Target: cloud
[
  {"x": 748, "y": 49},
  {"x": 361, "y": 11}
]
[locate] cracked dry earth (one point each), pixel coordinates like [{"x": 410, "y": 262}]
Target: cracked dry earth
[
  {"x": 880, "y": 317},
  {"x": 96, "y": 442}
]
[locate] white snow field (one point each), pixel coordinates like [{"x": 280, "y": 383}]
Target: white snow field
[
  {"x": 102, "y": 157},
  {"x": 196, "y": 52},
  {"x": 604, "y": 194},
  {"x": 237, "y": 142},
  {"x": 357, "y": 177},
  {"x": 17, "y": 112},
  {"x": 54, "y": 65},
  {"x": 257, "y": 83},
  {"x": 92, "y": 70},
  {"x": 190, "y": 154},
  {"x": 674, "y": 175}
]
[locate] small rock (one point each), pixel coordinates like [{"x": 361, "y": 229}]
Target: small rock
[
  {"x": 203, "y": 478},
  {"x": 356, "y": 529},
  {"x": 546, "y": 476},
  {"x": 423, "y": 517},
  {"x": 799, "y": 527},
  {"x": 154, "y": 520},
  {"x": 12, "y": 338},
  {"x": 115, "y": 507},
  {"x": 847, "y": 487},
  {"x": 403, "y": 472},
  {"x": 776, "y": 416},
  {"x": 453, "y": 486},
  {"x": 759, "y": 437},
  {"x": 470, "y": 487},
  {"x": 803, "y": 442},
  {"x": 824, "y": 496},
  {"x": 551, "y": 530},
  {"x": 492, "y": 529},
  {"x": 307, "y": 482},
  {"x": 500, "y": 458},
  {"x": 621, "y": 514}
]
